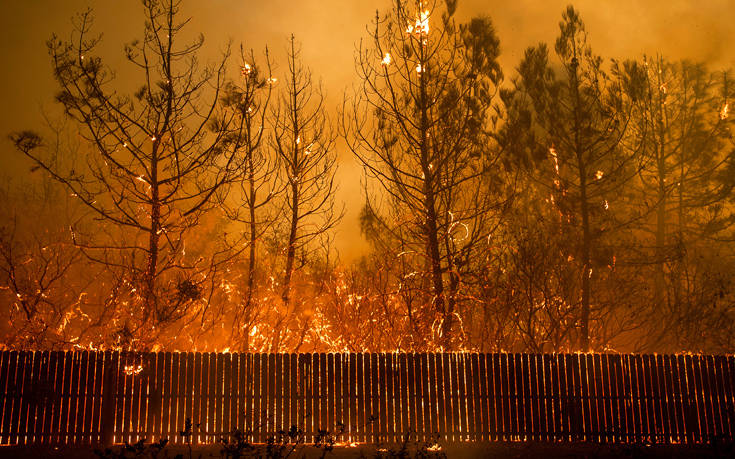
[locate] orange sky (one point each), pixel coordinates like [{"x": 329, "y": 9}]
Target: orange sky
[{"x": 329, "y": 31}]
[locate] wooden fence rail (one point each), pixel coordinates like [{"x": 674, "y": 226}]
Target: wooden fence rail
[{"x": 87, "y": 397}]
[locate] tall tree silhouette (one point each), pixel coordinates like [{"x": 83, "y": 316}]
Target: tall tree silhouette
[
  {"x": 419, "y": 125},
  {"x": 684, "y": 127},
  {"x": 304, "y": 142},
  {"x": 253, "y": 201},
  {"x": 154, "y": 159},
  {"x": 576, "y": 120}
]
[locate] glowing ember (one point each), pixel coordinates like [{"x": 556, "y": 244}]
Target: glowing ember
[
  {"x": 246, "y": 69},
  {"x": 386, "y": 60},
  {"x": 131, "y": 370},
  {"x": 419, "y": 68},
  {"x": 599, "y": 175},
  {"x": 434, "y": 447},
  {"x": 724, "y": 113},
  {"x": 341, "y": 444}
]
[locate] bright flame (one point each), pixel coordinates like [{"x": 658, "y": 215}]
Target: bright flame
[
  {"x": 419, "y": 68},
  {"x": 724, "y": 113},
  {"x": 599, "y": 175},
  {"x": 345, "y": 444},
  {"x": 272, "y": 80},
  {"x": 421, "y": 26},
  {"x": 246, "y": 69},
  {"x": 131, "y": 370},
  {"x": 386, "y": 60},
  {"x": 552, "y": 152}
]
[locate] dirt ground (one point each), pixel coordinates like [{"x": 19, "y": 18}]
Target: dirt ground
[{"x": 477, "y": 450}]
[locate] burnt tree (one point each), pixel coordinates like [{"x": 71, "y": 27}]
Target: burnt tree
[
  {"x": 154, "y": 159},
  {"x": 304, "y": 143},
  {"x": 420, "y": 124}
]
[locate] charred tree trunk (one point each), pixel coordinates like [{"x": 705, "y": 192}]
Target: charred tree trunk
[
  {"x": 584, "y": 326},
  {"x": 433, "y": 253},
  {"x": 151, "y": 298},
  {"x": 291, "y": 250},
  {"x": 659, "y": 280},
  {"x": 253, "y": 234},
  {"x": 294, "y": 178}
]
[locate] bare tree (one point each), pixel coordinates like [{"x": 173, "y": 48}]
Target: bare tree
[
  {"x": 253, "y": 202},
  {"x": 155, "y": 160},
  {"x": 304, "y": 142},
  {"x": 41, "y": 288},
  {"x": 419, "y": 124}
]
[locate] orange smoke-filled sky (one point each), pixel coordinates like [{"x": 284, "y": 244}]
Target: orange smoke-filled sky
[{"x": 329, "y": 31}]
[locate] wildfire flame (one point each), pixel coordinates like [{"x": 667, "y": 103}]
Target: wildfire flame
[
  {"x": 131, "y": 370},
  {"x": 386, "y": 60},
  {"x": 552, "y": 152},
  {"x": 341, "y": 444},
  {"x": 724, "y": 112},
  {"x": 246, "y": 69},
  {"x": 421, "y": 26}
]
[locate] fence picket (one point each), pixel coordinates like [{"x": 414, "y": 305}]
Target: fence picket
[
  {"x": 324, "y": 421},
  {"x": 352, "y": 394},
  {"x": 329, "y": 398},
  {"x": 713, "y": 401},
  {"x": 725, "y": 396},
  {"x": 383, "y": 397},
  {"x": 26, "y": 395}
]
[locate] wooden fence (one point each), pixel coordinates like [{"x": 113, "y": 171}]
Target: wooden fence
[{"x": 89, "y": 397}]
